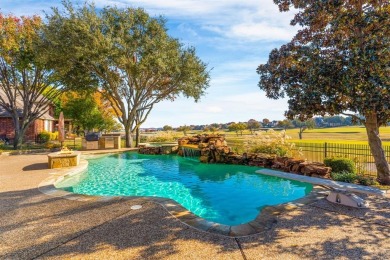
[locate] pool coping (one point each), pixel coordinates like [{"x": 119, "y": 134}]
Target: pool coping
[
  {"x": 337, "y": 185},
  {"x": 265, "y": 220}
]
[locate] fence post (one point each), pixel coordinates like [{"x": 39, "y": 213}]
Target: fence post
[{"x": 325, "y": 149}]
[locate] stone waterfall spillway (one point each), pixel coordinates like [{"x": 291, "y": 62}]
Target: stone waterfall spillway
[{"x": 191, "y": 152}]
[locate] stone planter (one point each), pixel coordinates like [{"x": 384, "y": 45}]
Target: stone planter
[{"x": 60, "y": 160}]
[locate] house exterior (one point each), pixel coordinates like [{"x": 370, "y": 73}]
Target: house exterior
[{"x": 43, "y": 123}]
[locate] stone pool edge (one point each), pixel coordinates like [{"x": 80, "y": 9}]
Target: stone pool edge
[{"x": 264, "y": 221}]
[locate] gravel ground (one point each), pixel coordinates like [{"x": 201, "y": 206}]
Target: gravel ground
[{"x": 35, "y": 225}]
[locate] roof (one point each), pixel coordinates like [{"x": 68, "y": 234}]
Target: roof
[{"x": 19, "y": 104}]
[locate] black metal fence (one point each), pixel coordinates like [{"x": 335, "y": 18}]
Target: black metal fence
[
  {"x": 360, "y": 153},
  {"x": 74, "y": 142}
]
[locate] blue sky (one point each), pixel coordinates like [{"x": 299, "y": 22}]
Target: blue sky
[{"x": 232, "y": 36}]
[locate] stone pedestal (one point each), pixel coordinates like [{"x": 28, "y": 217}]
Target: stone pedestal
[
  {"x": 60, "y": 160},
  {"x": 89, "y": 145},
  {"x": 105, "y": 142},
  {"x": 117, "y": 142}
]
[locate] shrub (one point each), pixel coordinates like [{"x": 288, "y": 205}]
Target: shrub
[
  {"x": 2, "y": 144},
  {"x": 280, "y": 151},
  {"x": 365, "y": 180},
  {"x": 143, "y": 139},
  {"x": 50, "y": 145},
  {"x": 43, "y": 137},
  {"x": 53, "y": 136},
  {"x": 349, "y": 177},
  {"x": 341, "y": 164},
  {"x": 272, "y": 142}
]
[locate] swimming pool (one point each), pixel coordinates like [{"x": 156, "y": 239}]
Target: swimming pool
[{"x": 226, "y": 194}]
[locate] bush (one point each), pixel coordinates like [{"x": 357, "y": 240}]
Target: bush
[
  {"x": 272, "y": 142},
  {"x": 349, "y": 177},
  {"x": 143, "y": 139},
  {"x": 339, "y": 165},
  {"x": 53, "y": 136},
  {"x": 365, "y": 180},
  {"x": 50, "y": 145},
  {"x": 43, "y": 137},
  {"x": 2, "y": 144},
  {"x": 280, "y": 151}
]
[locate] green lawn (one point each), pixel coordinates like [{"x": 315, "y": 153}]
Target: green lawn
[
  {"x": 356, "y": 135},
  {"x": 348, "y": 135}
]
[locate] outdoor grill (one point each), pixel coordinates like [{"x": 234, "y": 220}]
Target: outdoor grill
[{"x": 92, "y": 137}]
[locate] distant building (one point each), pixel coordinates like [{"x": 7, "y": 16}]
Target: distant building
[
  {"x": 149, "y": 130},
  {"x": 273, "y": 123},
  {"x": 43, "y": 123}
]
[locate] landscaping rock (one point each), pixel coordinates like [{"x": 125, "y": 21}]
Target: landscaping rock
[
  {"x": 150, "y": 150},
  {"x": 213, "y": 149}
]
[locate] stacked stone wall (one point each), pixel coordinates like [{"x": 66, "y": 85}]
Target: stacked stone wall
[
  {"x": 156, "y": 150},
  {"x": 213, "y": 149}
]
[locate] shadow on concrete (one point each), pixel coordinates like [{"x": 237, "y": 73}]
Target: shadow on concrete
[
  {"x": 327, "y": 231},
  {"x": 36, "y": 225},
  {"x": 36, "y": 167}
]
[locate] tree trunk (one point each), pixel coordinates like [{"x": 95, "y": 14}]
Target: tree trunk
[
  {"x": 137, "y": 137},
  {"x": 18, "y": 139},
  {"x": 372, "y": 128},
  {"x": 129, "y": 137},
  {"x": 300, "y": 134}
]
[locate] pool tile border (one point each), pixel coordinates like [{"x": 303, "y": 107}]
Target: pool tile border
[{"x": 265, "y": 221}]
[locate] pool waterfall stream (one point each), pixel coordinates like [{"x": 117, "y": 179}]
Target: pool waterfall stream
[{"x": 191, "y": 152}]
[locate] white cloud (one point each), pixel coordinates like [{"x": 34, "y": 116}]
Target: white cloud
[
  {"x": 242, "y": 20},
  {"x": 260, "y": 31},
  {"x": 213, "y": 109},
  {"x": 187, "y": 29}
]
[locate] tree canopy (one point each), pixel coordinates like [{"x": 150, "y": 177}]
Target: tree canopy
[
  {"x": 184, "y": 129},
  {"x": 88, "y": 112},
  {"x": 237, "y": 127},
  {"x": 26, "y": 81},
  {"x": 338, "y": 63},
  {"x": 285, "y": 124},
  {"x": 125, "y": 54},
  {"x": 253, "y": 125},
  {"x": 302, "y": 126},
  {"x": 167, "y": 128}
]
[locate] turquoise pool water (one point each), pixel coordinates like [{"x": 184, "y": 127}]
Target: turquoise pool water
[{"x": 226, "y": 194}]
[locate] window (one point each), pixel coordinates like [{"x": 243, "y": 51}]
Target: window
[{"x": 48, "y": 126}]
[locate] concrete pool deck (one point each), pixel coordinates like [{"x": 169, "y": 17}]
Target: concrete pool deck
[{"x": 36, "y": 225}]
